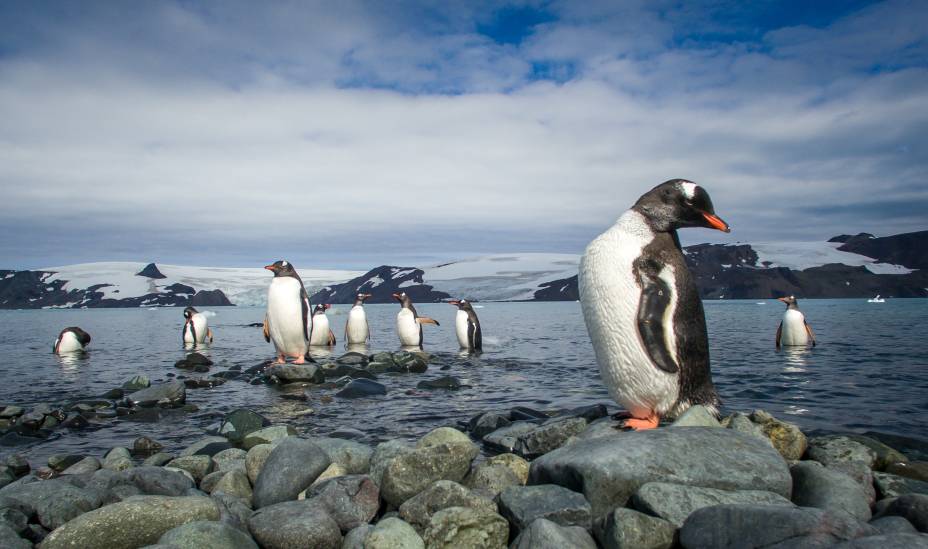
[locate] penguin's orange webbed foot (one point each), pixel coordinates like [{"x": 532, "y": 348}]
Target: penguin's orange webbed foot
[
  {"x": 300, "y": 360},
  {"x": 639, "y": 424}
]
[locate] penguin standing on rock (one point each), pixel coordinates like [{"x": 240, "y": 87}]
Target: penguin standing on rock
[
  {"x": 409, "y": 323},
  {"x": 642, "y": 308},
  {"x": 71, "y": 340},
  {"x": 322, "y": 335},
  {"x": 196, "y": 329},
  {"x": 357, "y": 330},
  {"x": 467, "y": 326},
  {"x": 793, "y": 329},
  {"x": 287, "y": 322}
]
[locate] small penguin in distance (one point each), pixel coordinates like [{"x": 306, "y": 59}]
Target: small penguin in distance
[
  {"x": 71, "y": 340},
  {"x": 467, "y": 326},
  {"x": 196, "y": 329},
  {"x": 357, "y": 330},
  {"x": 642, "y": 308},
  {"x": 321, "y": 335},
  {"x": 793, "y": 329},
  {"x": 409, "y": 323},
  {"x": 287, "y": 322}
]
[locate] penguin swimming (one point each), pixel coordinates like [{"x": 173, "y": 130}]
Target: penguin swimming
[
  {"x": 409, "y": 323},
  {"x": 321, "y": 335},
  {"x": 196, "y": 329},
  {"x": 357, "y": 330},
  {"x": 793, "y": 329},
  {"x": 642, "y": 308},
  {"x": 467, "y": 326},
  {"x": 70, "y": 340},
  {"x": 287, "y": 322}
]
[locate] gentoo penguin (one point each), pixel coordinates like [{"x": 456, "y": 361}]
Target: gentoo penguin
[
  {"x": 70, "y": 340},
  {"x": 794, "y": 330},
  {"x": 467, "y": 326},
  {"x": 287, "y": 322},
  {"x": 409, "y": 323},
  {"x": 357, "y": 331},
  {"x": 196, "y": 329},
  {"x": 642, "y": 308},
  {"x": 321, "y": 334}
]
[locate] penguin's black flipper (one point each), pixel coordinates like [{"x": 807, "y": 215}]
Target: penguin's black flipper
[
  {"x": 810, "y": 332},
  {"x": 307, "y": 320},
  {"x": 779, "y": 333},
  {"x": 652, "y": 309},
  {"x": 474, "y": 337},
  {"x": 267, "y": 334},
  {"x": 193, "y": 332}
]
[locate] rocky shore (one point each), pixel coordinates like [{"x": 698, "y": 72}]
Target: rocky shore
[{"x": 517, "y": 477}]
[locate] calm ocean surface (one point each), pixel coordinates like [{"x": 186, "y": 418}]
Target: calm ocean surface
[{"x": 869, "y": 372}]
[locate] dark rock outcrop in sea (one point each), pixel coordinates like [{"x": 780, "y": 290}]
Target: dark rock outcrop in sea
[{"x": 381, "y": 282}]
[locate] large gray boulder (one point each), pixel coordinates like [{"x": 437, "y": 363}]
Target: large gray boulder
[
  {"x": 913, "y": 507},
  {"x": 293, "y": 373},
  {"x": 521, "y": 505},
  {"x": 135, "y": 522},
  {"x": 626, "y": 528},
  {"x": 549, "y": 436},
  {"x": 818, "y": 486},
  {"x": 887, "y": 541},
  {"x": 204, "y": 534},
  {"x": 383, "y": 455},
  {"x": 831, "y": 449},
  {"x": 290, "y": 468},
  {"x": 173, "y": 393},
  {"x": 392, "y": 533},
  {"x": 295, "y": 524},
  {"x": 351, "y": 500},
  {"x": 353, "y": 456},
  {"x": 675, "y": 502},
  {"x": 609, "y": 470},
  {"x": 239, "y": 423},
  {"x": 466, "y": 528},
  {"x": 418, "y": 510},
  {"x": 489, "y": 479},
  {"x": 890, "y": 486},
  {"x": 53, "y": 502},
  {"x": 411, "y": 472},
  {"x": 544, "y": 534}
]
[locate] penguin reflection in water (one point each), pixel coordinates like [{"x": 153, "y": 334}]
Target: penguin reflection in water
[
  {"x": 409, "y": 323},
  {"x": 287, "y": 322},
  {"x": 793, "y": 329},
  {"x": 196, "y": 329},
  {"x": 321, "y": 335},
  {"x": 71, "y": 340},
  {"x": 467, "y": 326},
  {"x": 642, "y": 308}
]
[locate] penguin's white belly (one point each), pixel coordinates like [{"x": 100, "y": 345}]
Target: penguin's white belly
[
  {"x": 460, "y": 328},
  {"x": 70, "y": 344},
  {"x": 407, "y": 328},
  {"x": 609, "y": 296},
  {"x": 793, "y": 331},
  {"x": 320, "y": 333},
  {"x": 285, "y": 316},
  {"x": 200, "y": 326},
  {"x": 357, "y": 325}
]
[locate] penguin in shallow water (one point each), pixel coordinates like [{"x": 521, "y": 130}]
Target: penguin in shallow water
[
  {"x": 70, "y": 340},
  {"x": 642, "y": 308},
  {"x": 793, "y": 329},
  {"x": 322, "y": 335},
  {"x": 196, "y": 329},
  {"x": 467, "y": 326},
  {"x": 357, "y": 330},
  {"x": 287, "y": 322},
  {"x": 409, "y": 323}
]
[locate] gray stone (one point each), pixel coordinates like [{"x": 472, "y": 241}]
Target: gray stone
[
  {"x": 544, "y": 534},
  {"x": 359, "y": 388},
  {"x": 466, "y": 528},
  {"x": 197, "y": 465},
  {"x": 675, "y": 502},
  {"x": 353, "y": 456},
  {"x": 385, "y": 453},
  {"x": 351, "y": 500},
  {"x": 696, "y": 416},
  {"x": 209, "y": 481},
  {"x": 206, "y": 446},
  {"x": 60, "y": 462},
  {"x": 610, "y": 469},
  {"x": 628, "y": 529},
  {"x": 232, "y": 458},
  {"x": 235, "y": 483},
  {"x": 765, "y": 525},
  {"x": 255, "y": 459},
  {"x": 15, "y": 519},
  {"x": 786, "y": 437},
  {"x": 505, "y": 438},
  {"x": 17, "y": 463},
  {"x": 392, "y": 533},
  {"x": 885, "y": 455},
  {"x": 290, "y": 468},
  {"x": 832, "y": 449},
  {"x": 520, "y": 505},
  {"x": 355, "y": 538},
  {"x": 239, "y": 423},
  {"x": 916, "y": 470},
  {"x": 295, "y": 524},
  {"x": 135, "y": 522},
  {"x": 514, "y": 463},
  {"x": 294, "y": 373},
  {"x": 171, "y": 392},
  {"x": 10, "y": 540},
  {"x": 742, "y": 423},
  {"x": 912, "y": 507},
  {"x": 487, "y": 422},
  {"x": 53, "y": 502},
  {"x": 823, "y": 488},
  {"x": 409, "y": 473},
  {"x": 489, "y": 479},
  {"x": 267, "y": 435},
  {"x": 157, "y": 481},
  {"x": 890, "y": 486},
  {"x": 232, "y": 511},
  {"x": 893, "y": 525},
  {"x": 87, "y": 465},
  {"x": 117, "y": 459},
  {"x": 442, "y": 494},
  {"x": 159, "y": 459},
  {"x": 887, "y": 541},
  {"x": 443, "y": 435},
  {"x": 862, "y": 474},
  {"x": 549, "y": 436},
  {"x": 203, "y": 534}
]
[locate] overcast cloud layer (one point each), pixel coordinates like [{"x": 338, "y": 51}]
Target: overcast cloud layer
[{"x": 349, "y": 134}]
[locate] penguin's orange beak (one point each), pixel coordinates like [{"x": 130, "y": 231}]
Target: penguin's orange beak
[
  {"x": 396, "y": 296},
  {"x": 454, "y": 302},
  {"x": 783, "y": 299},
  {"x": 327, "y": 306},
  {"x": 271, "y": 267},
  {"x": 715, "y": 222}
]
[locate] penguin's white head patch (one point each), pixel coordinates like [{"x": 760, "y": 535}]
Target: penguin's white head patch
[
  {"x": 688, "y": 189},
  {"x": 284, "y": 264}
]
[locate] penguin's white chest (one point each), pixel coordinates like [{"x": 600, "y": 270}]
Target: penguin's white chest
[
  {"x": 609, "y": 296},
  {"x": 793, "y": 331},
  {"x": 460, "y": 328},
  {"x": 200, "y": 326},
  {"x": 357, "y": 325},
  {"x": 407, "y": 328},
  {"x": 70, "y": 344},
  {"x": 285, "y": 316},
  {"x": 320, "y": 333}
]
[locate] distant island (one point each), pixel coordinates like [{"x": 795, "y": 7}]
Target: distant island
[{"x": 846, "y": 266}]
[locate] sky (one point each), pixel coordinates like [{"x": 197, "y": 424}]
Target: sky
[{"x": 351, "y": 134}]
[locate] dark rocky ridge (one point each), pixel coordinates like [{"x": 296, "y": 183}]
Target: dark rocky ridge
[
  {"x": 381, "y": 282},
  {"x": 151, "y": 271},
  {"x": 909, "y": 249}
]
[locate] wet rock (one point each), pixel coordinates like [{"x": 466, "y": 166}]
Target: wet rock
[
  {"x": 675, "y": 502},
  {"x": 17, "y": 521},
  {"x": 117, "y": 459},
  {"x": 293, "y": 524},
  {"x": 144, "y": 446},
  {"x": 197, "y": 358},
  {"x": 505, "y": 438},
  {"x": 409, "y": 473},
  {"x": 10, "y": 540},
  {"x": 159, "y": 459},
  {"x": 487, "y": 422},
  {"x": 208, "y": 483},
  {"x": 466, "y": 528},
  {"x": 157, "y": 481},
  {"x": 353, "y": 456},
  {"x": 53, "y": 502},
  {"x": 267, "y": 435},
  {"x": 627, "y": 528},
  {"x": 359, "y": 388},
  {"x": 136, "y": 383},
  {"x": 207, "y": 535},
  {"x": 392, "y": 533},
  {"x": 255, "y": 459},
  {"x": 235, "y": 483},
  {"x": 87, "y": 465},
  {"x": 885, "y": 455},
  {"x": 890, "y": 486},
  {"x": 444, "y": 382},
  {"x": 355, "y": 538},
  {"x": 60, "y": 462},
  {"x": 290, "y": 468},
  {"x": 197, "y": 465},
  {"x": 172, "y": 392},
  {"x": 9, "y": 412},
  {"x": 915, "y": 470},
  {"x": 786, "y": 437},
  {"x": 385, "y": 453},
  {"x": 489, "y": 479},
  {"x": 524, "y": 413},
  {"x": 343, "y": 370},
  {"x": 861, "y": 474},
  {"x": 445, "y": 435},
  {"x": 442, "y": 494},
  {"x": 548, "y": 436},
  {"x": 887, "y": 541},
  {"x": 544, "y": 534},
  {"x": 232, "y": 511},
  {"x": 17, "y": 463},
  {"x": 207, "y": 446},
  {"x": 228, "y": 459},
  {"x": 766, "y": 525},
  {"x": 913, "y": 507},
  {"x": 351, "y": 500},
  {"x": 31, "y": 420},
  {"x": 410, "y": 362},
  {"x": 696, "y": 416},
  {"x": 294, "y": 373},
  {"x": 610, "y": 469},
  {"x": 353, "y": 358},
  {"x": 893, "y": 525},
  {"x": 832, "y": 449},
  {"x": 520, "y": 505},
  {"x": 135, "y": 522}
]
